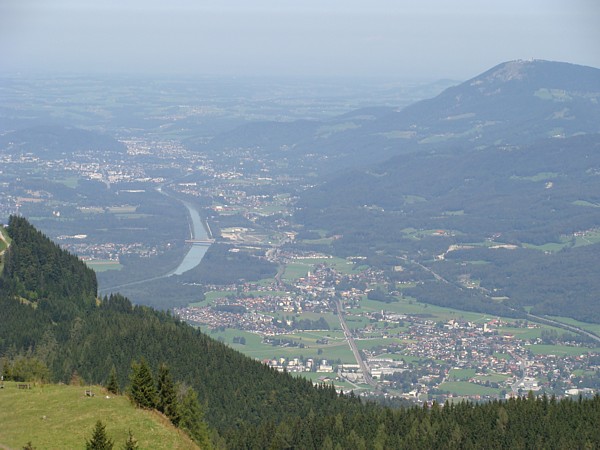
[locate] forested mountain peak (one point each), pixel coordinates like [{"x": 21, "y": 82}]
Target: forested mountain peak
[
  {"x": 537, "y": 74},
  {"x": 513, "y": 103}
]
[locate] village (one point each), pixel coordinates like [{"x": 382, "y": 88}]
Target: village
[
  {"x": 410, "y": 350},
  {"x": 415, "y": 356}
]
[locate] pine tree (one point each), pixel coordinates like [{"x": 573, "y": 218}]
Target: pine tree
[
  {"x": 131, "y": 443},
  {"x": 192, "y": 417},
  {"x": 100, "y": 440},
  {"x": 112, "y": 385},
  {"x": 142, "y": 389},
  {"x": 167, "y": 397}
]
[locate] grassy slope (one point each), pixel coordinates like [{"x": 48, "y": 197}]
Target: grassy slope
[
  {"x": 4, "y": 243},
  {"x": 60, "y": 417}
]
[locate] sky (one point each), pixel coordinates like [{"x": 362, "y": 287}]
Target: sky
[{"x": 425, "y": 39}]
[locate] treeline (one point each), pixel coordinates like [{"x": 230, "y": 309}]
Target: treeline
[
  {"x": 516, "y": 423},
  {"x": 179, "y": 403},
  {"x": 308, "y": 324}
]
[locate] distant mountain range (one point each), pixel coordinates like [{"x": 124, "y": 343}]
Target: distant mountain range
[
  {"x": 513, "y": 103},
  {"x": 510, "y": 157}
]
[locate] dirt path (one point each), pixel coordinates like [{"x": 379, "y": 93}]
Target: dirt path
[{"x": 3, "y": 240}]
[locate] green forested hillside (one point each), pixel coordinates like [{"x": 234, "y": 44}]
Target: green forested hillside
[
  {"x": 246, "y": 404},
  {"x": 540, "y": 198},
  {"x": 72, "y": 336}
]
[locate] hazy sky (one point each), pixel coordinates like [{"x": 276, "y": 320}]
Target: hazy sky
[{"x": 391, "y": 38}]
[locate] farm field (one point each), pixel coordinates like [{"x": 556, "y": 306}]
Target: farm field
[
  {"x": 591, "y": 327},
  {"x": 461, "y": 374},
  {"x": 561, "y": 350},
  {"x": 466, "y": 388},
  {"x": 299, "y": 268},
  {"x": 102, "y": 265},
  {"x": 336, "y": 348}
]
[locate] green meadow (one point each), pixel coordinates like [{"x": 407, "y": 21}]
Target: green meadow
[
  {"x": 335, "y": 349},
  {"x": 466, "y": 388},
  {"x": 63, "y": 417},
  {"x": 561, "y": 350}
]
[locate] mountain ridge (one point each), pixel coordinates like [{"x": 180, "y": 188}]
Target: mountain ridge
[{"x": 514, "y": 102}]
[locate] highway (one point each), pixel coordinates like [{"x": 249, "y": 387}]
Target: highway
[
  {"x": 529, "y": 316},
  {"x": 363, "y": 366}
]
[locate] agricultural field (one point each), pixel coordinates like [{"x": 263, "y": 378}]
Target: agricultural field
[
  {"x": 580, "y": 239},
  {"x": 299, "y": 268},
  {"x": 492, "y": 378},
  {"x": 70, "y": 182},
  {"x": 561, "y": 350},
  {"x": 335, "y": 349},
  {"x": 467, "y": 389},
  {"x": 410, "y": 306},
  {"x": 591, "y": 327},
  {"x": 461, "y": 374},
  {"x": 102, "y": 265}
]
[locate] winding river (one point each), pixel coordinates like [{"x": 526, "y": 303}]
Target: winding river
[
  {"x": 194, "y": 255},
  {"x": 197, "y": 251}
]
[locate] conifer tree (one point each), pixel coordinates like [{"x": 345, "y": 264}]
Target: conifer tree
[
  {"x": 131, "y": 443},
  {"x": 112, "y": 385},
  {"x": 192, "y": 417},
  {"x": 167, "y": 397},
  {"x": 142, "y": 389},
  {"x": 99, "y": 440}
]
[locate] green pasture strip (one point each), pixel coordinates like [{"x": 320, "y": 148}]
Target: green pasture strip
[
  {"x": 561, "y": 350},
  {"x": 466, "y": 388},
  {"x": 591, "y": 327},
  {"x": 461, "y": 374},
  {"x": 63, "y": 417},
  {"x": 100, "y": 265},
  {"x": 492, "y": 377}
]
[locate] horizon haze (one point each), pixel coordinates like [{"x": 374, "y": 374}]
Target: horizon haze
[{"x": 430, "y": 40}]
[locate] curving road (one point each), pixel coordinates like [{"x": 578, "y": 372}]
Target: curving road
[
  {"x": 564, "y": 326},
  {"x": 530, "y": 316}
]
